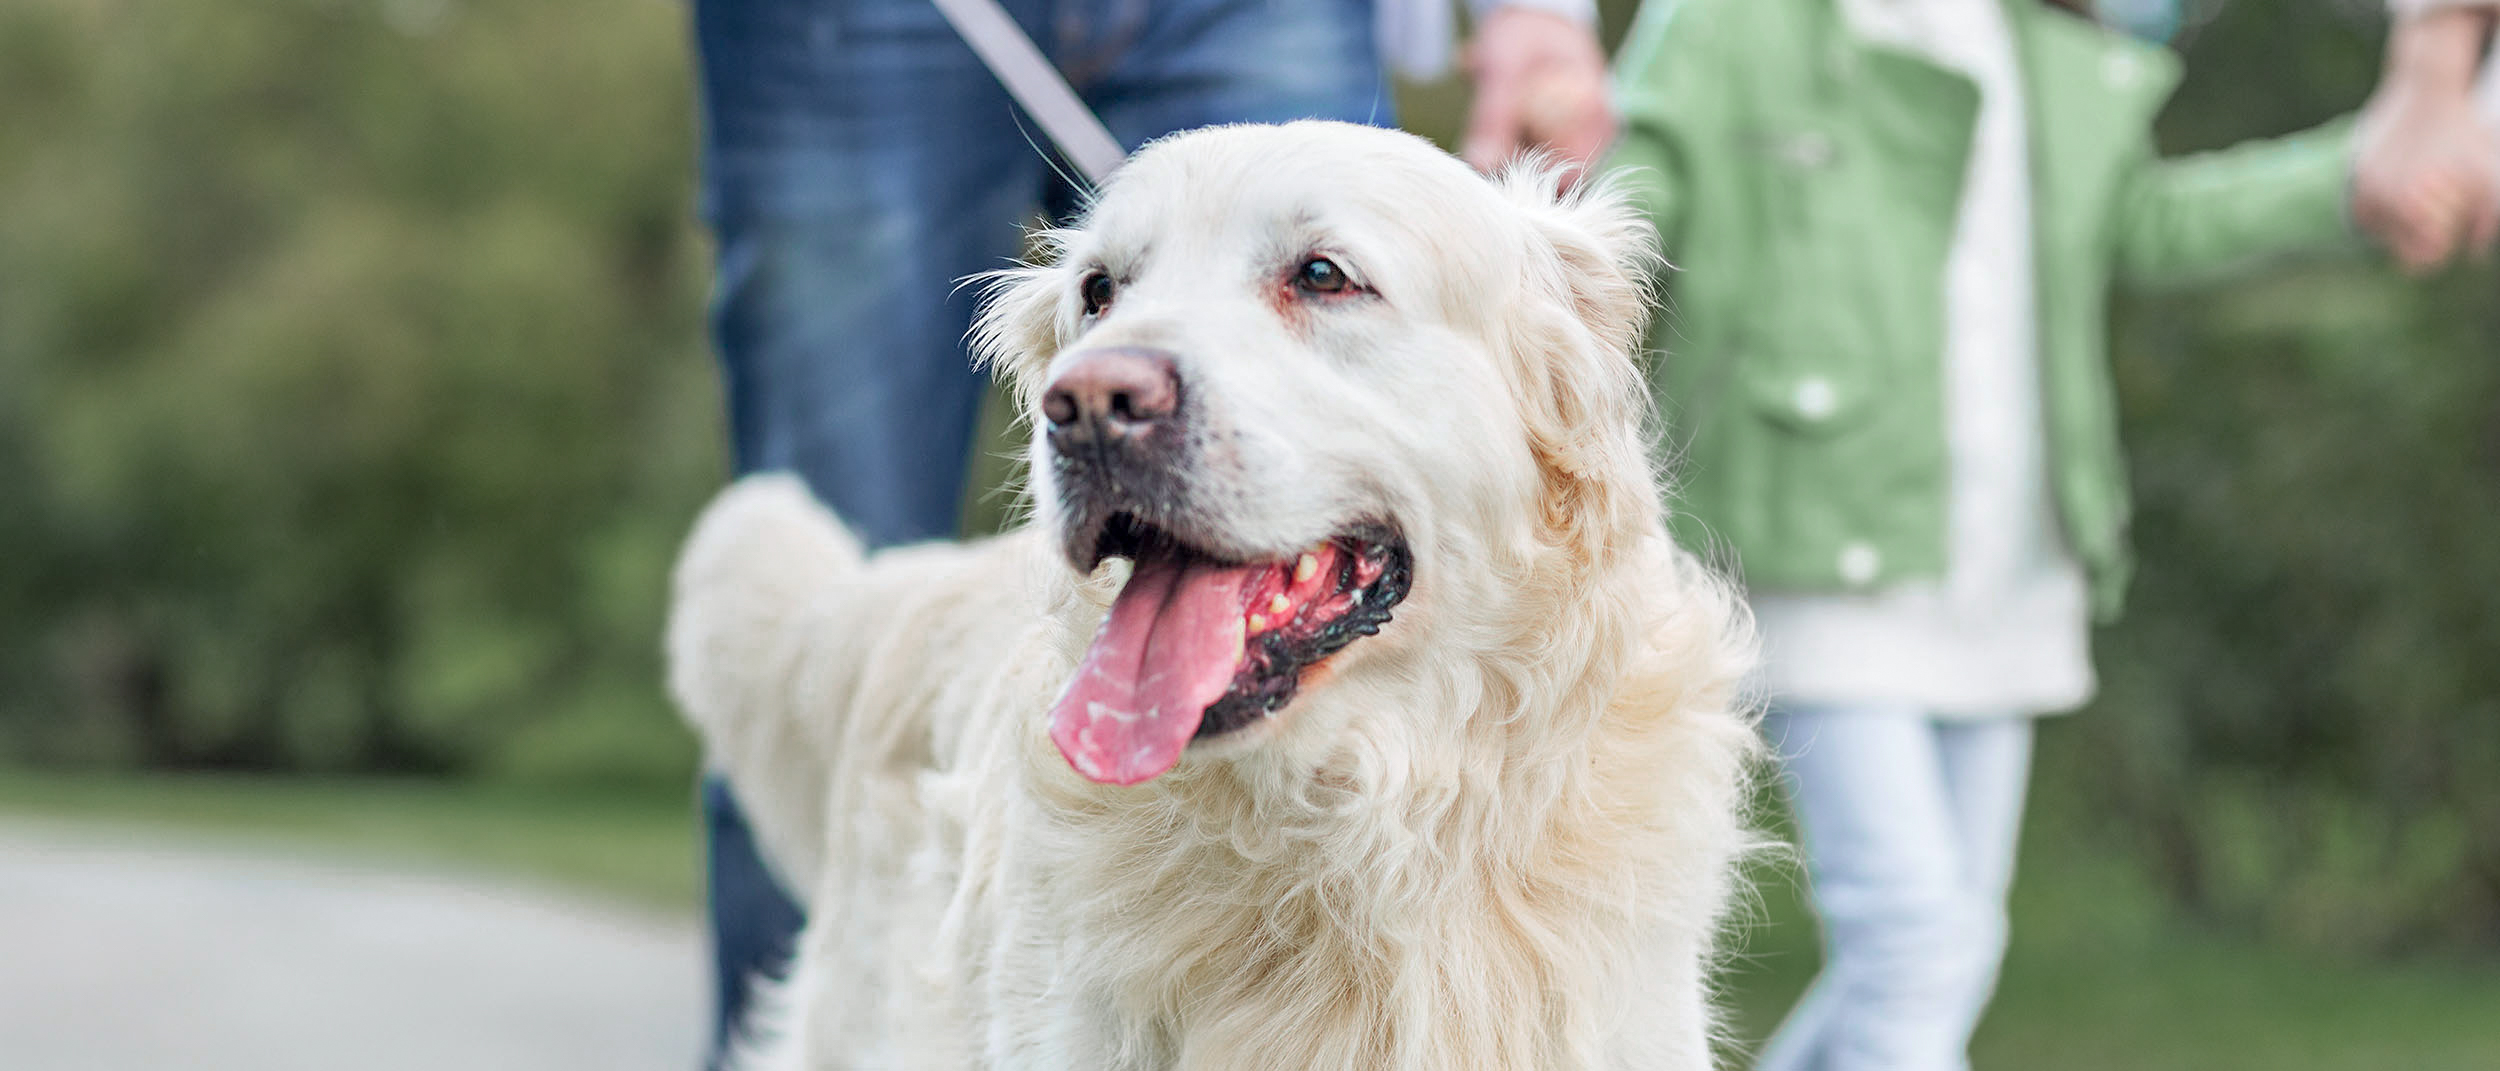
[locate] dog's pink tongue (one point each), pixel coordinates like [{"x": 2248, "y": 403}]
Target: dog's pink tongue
[{"x": 1169, "y": 648}]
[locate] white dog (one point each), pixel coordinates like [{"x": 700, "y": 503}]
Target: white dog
[{"x": 1343, "y": 706}]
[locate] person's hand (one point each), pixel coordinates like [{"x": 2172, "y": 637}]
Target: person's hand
[
  {"x": 2427, "y": 180},
  {"x": 1540, "y": 82}
]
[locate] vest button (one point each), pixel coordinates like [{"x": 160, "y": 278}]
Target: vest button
[
  {"x": 1811, "y": 151},
  {"x": 2122, "y": 69},
  {"x": 1859, "y": 562},
  {"x": 1815, "y": 399}
]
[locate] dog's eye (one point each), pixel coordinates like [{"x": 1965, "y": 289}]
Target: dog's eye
[
  {"x": 1320, "y": 275},
  {"x": 1097, "y": 289}
]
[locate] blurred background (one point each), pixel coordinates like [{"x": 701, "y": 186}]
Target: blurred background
[{"x": 353, "y": 396}]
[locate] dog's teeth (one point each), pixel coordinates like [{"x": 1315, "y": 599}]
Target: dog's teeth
[
  {"x": 1279, "y": 604},
  {"x": 1258, "y": 623},
  {"x": 1304, "y": 568}
]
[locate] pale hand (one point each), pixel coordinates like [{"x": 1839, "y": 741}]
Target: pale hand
[
  {"x": 2427, "y": 179},
  {"x": 1540, "y": 81}
]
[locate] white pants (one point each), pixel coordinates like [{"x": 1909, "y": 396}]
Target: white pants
[{"x": 1909, "y": 823}]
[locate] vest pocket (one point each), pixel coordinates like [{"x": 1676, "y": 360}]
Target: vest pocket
[{"x": 1808, "y": 397}]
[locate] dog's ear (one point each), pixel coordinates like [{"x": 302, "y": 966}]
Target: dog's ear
[
  {"x": 1023, "y": 320},
  {"x": 1588, "y": 273},
  {"x": 1605, "y": 246}
]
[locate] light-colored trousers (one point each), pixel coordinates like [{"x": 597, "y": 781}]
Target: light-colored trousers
[{"x": 1909, "y": 823}]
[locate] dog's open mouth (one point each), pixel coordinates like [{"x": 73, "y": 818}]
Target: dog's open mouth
[{"x": 1196, "y": 646}]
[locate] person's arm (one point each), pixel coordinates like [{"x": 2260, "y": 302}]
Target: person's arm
[
  {"x": 1540, "y": 82},
  {"x": 2427, "y": 180},
  {"x": 2200, "y": 217}
]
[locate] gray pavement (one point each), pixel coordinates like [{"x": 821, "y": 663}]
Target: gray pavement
[{"x": 118, "y": 954}]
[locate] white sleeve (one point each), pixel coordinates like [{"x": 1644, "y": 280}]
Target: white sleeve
[
  {"x": 2403, "y": 8},
  {"x": 1415, "y": 35},
  {"x": 2490, "y": 93},
  {"x": 1582, "y": 11}
]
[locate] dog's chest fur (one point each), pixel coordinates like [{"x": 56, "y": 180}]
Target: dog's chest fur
[
  {"x": 1218, "y": 929},
  {"x": 1538, "y": 892}
]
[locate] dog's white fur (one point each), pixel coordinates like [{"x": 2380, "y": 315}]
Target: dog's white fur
[{"x": 1497, "y": 835}]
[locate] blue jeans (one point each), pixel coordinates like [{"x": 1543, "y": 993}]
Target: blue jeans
[
  {"x": 1909, "y": 824},
  {"x": 858, "y": 162}
]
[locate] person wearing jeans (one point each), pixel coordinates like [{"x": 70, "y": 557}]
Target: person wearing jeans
[{"x": 859, "y": 163}]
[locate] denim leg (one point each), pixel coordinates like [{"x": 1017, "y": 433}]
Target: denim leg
[
  {"x": 753, "y": 921},
  {"x": 1192, "y": 63},
  {"x": 1893, "y": 805},
  {"x": 859, "y": 163},
  {"x": 1987, "y": 774}
]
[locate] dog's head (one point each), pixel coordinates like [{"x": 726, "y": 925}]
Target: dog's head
[{"x": 1306, "y": 377}]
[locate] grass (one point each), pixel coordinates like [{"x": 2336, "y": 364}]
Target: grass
[
  {"x": 637, "y": 848},
  {"x": 2100, "y": 977}
]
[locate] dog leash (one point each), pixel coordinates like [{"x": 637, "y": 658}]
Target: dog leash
[{"x": 1036, "y": 85}]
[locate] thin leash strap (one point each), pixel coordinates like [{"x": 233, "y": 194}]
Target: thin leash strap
[{"x": 1036, "y": 85}]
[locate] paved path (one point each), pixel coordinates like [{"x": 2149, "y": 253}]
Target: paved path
[{"x": 119, "y": 954}]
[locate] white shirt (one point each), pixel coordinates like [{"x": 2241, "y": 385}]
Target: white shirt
[
  {"x": 2008, "y": 629},
  {"x": 1416, "y": 35},
  {"x": 2408, "y": 8},
  {"x": 2491, "y": 92}
]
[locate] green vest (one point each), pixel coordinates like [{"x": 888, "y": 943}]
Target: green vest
[{"x": 1806, "y": 184}]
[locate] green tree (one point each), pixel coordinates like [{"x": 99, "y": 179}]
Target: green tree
[{"x": 352, "y": 383}]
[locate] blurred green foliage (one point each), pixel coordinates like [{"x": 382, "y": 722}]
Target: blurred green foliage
[
  {"x": 2300, "y": 715},
  {"x": 352, "y": 392},
  {"x": 353, "y": 396}
]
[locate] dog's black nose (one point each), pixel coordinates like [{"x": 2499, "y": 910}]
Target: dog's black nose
[{"x": 1111, "y": 397}]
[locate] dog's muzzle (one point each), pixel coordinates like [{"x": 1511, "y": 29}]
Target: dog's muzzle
[{"x": 1118, "y": 436}]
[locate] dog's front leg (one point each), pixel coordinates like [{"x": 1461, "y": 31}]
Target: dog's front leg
[
  {"x": 1669, "y": 1027},
  {"x": 1048, "y": 1012},
  {"x": 1064, "y": 1033}
]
